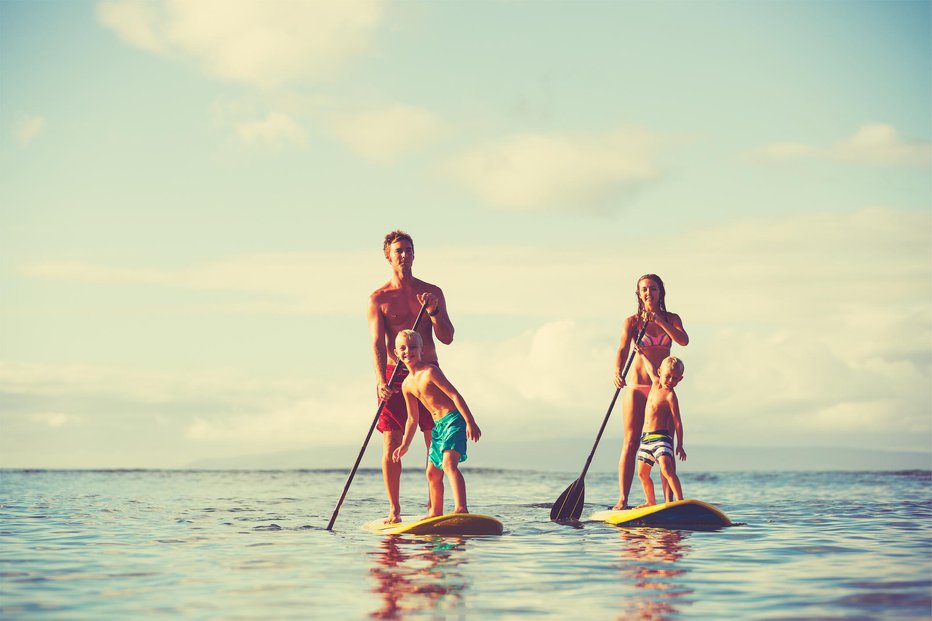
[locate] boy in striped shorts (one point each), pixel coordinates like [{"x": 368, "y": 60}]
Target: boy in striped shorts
[{"x": 661, "y": 414}]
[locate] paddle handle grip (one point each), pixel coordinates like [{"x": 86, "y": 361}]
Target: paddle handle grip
[{"x": 375, "y": 420}]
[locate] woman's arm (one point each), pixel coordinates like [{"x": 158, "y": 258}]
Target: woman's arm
[
  {"x": 672, "y": 325},
  {"x": 628, "y": 332}
]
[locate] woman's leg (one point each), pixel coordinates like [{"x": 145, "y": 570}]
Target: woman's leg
[{"x": 632, "y": 421}]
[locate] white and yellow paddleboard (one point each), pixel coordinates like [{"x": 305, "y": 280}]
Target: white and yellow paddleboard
[
  {"x": 678, "y": 514},
  {"x": 447, "y": 524}
]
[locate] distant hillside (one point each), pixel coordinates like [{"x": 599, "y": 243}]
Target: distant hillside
[{"x": 570, "y": 456}]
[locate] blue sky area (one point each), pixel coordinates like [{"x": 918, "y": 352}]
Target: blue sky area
[{"x": 193, "y": 197}]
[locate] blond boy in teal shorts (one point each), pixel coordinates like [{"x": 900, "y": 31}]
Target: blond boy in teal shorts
[{"x": 453, "y": 422}]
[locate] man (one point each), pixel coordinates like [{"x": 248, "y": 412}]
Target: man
[{"x": 393, "y": 307}]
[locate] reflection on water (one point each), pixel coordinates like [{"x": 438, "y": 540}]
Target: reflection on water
[
  {"x": 201, "y": 545},
  {"x": 649, "y": 558},
  {"x": 418, "y": 574}
]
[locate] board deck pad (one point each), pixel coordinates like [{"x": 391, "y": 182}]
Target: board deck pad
[
  {"x": 677, "y": 514},
  {"x": 447, "y": 524}
]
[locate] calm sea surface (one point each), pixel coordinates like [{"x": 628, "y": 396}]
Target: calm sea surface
[{"x": 253, "y": 545}]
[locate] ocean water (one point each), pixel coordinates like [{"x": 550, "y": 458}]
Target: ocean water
[{"x": 253, "y": 545}]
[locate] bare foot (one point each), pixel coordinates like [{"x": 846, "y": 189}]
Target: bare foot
[
  {"x": 459, "y": 510},
  {"x": 646, "y": 504},
  {"x": 621, "y": 506},
  {"x": 431, "y": 514},
  {"x": 393, "y": 518}
]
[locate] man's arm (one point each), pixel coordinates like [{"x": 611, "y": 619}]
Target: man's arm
[
  {"x": 379, "y": 355},
  {"x": 437, "y": 311}
]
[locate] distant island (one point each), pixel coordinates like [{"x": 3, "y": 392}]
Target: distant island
[{"x": 570, "y": 456}]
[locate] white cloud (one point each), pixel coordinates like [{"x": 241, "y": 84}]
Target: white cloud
[
  {"x": 319, "y": 420},
  {"x": 291, "y": 282},
  {"x": 28, "y": 128},
  {"x": 275, "y": 130},
  {"x": 872, "y": 145},
  {"x": 53, "y": 420},
  {"x": 237, "y": 409},
  {"x": 810, "y": 328},
  {"x": 559, "y": 171},
  {"x": 387, "y": 133},
  {"x": 249, "y": 41},
  {"x": 762, "y": 268},
  {"x": 137, "y": 22}
]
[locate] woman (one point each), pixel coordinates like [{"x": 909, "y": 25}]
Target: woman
[{"x": 664, "y": 329}]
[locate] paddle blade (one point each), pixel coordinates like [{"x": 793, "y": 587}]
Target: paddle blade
[{"x": 570, "y": 503}]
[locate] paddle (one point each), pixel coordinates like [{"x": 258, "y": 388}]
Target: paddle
[
  {"x": 365, "y": 443},
  {"x": 570, "y": 503}
]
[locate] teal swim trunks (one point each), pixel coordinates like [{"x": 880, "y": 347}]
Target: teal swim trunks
[{"x": 449, "y": 434}]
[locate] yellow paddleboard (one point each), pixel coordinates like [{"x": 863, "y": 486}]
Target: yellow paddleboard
[
  {"x": 448, "y": 524},
  {"x": 677, "y": 514}
]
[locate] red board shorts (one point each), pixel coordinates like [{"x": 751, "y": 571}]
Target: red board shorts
[{"x": 394, "y": 415}]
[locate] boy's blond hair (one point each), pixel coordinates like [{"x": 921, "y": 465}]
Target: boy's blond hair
[
  {"x": 674, "y": 362},
  {"x": 411, "y": 336}
]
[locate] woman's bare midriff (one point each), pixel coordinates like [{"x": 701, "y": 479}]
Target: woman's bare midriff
[{"x": 656, "y": 355}]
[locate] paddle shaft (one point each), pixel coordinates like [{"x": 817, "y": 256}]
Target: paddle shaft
[
  {"x": 569, "y": 504},
  {"x": 611, "y": 405},
  {"x": 375, "y": 420}
]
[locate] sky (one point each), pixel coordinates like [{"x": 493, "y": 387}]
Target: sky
[{"x": 193, "y": 197}]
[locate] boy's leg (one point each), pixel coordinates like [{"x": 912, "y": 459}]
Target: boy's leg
[
  {"x": 668, "y": 472},
  {"x": 435, "y": 488},
  {"x": 451, "y": 460},
  {"x": 391, "y": 474},
  {"x": 427, "y": 438},
  {"x": 646, "y": 482}
]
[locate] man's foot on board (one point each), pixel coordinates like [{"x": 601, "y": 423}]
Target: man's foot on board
[
  {"x": 622, "y": 506},
  {"x": 393, "y": 518}
]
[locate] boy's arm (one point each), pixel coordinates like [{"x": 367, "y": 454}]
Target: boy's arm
[
  {"x": 440, "y": 380},
  {"x": 677, "y": 426},
  {"x": 648, "y": 365},
  {"x": 411, "y": 404}
]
